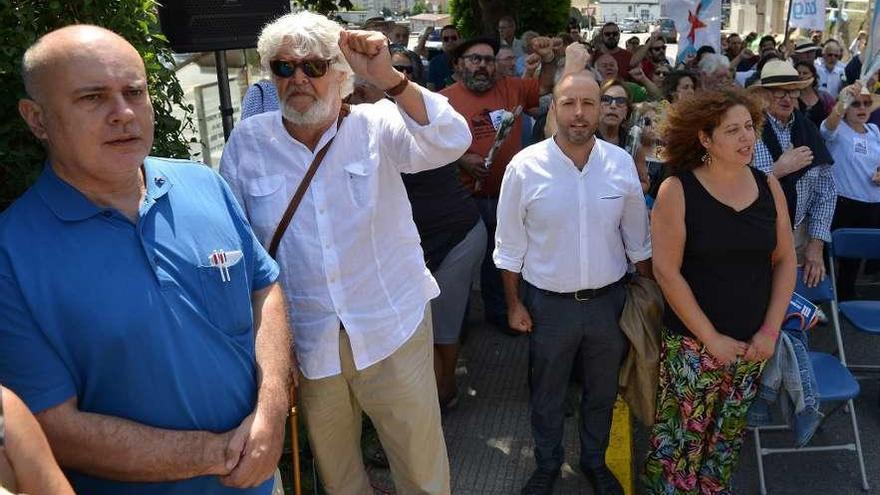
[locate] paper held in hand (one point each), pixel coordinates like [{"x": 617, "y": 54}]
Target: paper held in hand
[{"x": 507, "y": 120}]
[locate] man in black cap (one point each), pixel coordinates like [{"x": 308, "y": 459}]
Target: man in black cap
[{"x": 482, "y": 99}]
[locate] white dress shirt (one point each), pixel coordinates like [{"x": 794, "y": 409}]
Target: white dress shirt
[
  {"x": 566, "y": 229},
  {"x": 351, "y": 252},
  {"x": 833, "y": 80}
]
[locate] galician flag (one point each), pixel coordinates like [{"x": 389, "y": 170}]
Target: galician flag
[
  {"x": 698, "y": 23},
  {"x": 871, "y": 64}
]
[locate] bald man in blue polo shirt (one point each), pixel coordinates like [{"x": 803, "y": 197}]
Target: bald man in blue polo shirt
[{"x": 139, "y": 316}]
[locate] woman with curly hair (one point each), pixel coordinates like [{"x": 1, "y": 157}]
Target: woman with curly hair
[{"x": 724, "y": 258}]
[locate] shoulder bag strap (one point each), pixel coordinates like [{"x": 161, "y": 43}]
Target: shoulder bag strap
[{"x": 303, "y": 186}]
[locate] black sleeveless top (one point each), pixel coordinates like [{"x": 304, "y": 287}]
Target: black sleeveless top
[{"x": 727, "y": 258}]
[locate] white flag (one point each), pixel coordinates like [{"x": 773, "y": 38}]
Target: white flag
[
  {"x": 808, "y": 14},
  {"x": 698, "y": 23},
  {"x": 871, "y": 64}
]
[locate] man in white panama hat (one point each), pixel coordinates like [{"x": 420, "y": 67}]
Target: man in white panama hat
[{"x": 792, "y": 149}]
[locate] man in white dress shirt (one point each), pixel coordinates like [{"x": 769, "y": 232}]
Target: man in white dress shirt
[
  {"x": 829, "y": 68},
  {"x": 570, "y": 217},
  {"x": 351, "y": 264}
]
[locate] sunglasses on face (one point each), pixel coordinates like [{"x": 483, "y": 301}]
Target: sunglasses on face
[
  {"x": 449, "y": 39},
  {"x": 662, "y": 73},
  {"x": 861, "y": 104},
  {"x": 476, "y": 59},
  {"x": 404, "y": 68},
  {"x": 616, "y": 100},
  {"x": 311, "y": 68},
  {"x": 782, "y": 93}
]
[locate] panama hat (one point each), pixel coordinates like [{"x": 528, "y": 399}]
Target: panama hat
[
  {"x": 781, "y": 74},
  {"x": 806, "y": 46}
]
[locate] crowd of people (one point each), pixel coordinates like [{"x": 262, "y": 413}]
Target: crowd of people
[{"x": 154, "y": 314}]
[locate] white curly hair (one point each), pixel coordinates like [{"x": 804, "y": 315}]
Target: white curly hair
[{"x": 307, "y": 34}]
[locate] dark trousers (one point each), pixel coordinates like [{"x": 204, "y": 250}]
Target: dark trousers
[
  {"x": 565, "y": 330},
  {"x": 491, "y": 288},
  {"x": 852, "y": 213}
]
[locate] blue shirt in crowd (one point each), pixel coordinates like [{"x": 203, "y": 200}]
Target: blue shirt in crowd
[{"x": 137, "y": 321}]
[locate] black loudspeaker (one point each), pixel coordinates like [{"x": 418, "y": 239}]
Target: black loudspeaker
[{"x": 212, "y": 25}]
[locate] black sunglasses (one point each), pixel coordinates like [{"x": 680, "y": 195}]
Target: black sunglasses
[
  {"x": 311, "y": 68},
  {"x": 450, "y": 38},
  {"x": 617, "y": 100},
  {"x": 476, "y": 59},
  {"x": 404, "y": 68}
]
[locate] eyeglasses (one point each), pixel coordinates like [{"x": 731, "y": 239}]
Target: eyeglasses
[
  {"x": 311, "y": 68},
  {"x": 404, "y": 68},
  {"x": 611, "y": 34},
  {"x": 449, "y": 39},
  {"x": 782, "y": 93},
  {"x": 861, "y": 104},
  {"x": 662, "y": 73},
  {"x": 617, "y": 100},
  {"x": 476, "y": 59}
]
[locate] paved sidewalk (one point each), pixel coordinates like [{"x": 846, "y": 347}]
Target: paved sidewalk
[{"x": 490, "y": 446}]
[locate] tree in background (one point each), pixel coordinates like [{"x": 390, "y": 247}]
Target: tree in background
[
  {"x": 23, "y": 21},
  {"x": 480, "y": 17},
  {"x": 419, "y": 7}
]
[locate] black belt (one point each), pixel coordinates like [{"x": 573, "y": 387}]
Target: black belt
[{"x": 584, "y": 294}]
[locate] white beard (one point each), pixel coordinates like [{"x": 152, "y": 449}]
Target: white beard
[{"x": 319, "y": 112}]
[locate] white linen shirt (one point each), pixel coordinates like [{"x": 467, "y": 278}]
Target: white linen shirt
[
  {"x": 831, "y": 81},
  {"x": 351, "y": 253},
  {"x": 856, "y": 158},
  {"x": 566, "y": 229}
]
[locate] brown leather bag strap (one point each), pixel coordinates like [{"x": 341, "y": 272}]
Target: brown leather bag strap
[{"x": 303, "y": 186}]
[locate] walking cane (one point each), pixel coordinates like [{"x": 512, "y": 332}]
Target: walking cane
[{"x": 294, "y": 440}]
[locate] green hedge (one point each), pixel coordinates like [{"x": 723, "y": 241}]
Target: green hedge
[{"x": 23, "y": 21}]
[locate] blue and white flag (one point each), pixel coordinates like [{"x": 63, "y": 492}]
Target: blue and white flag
[
  {"x": 871, "y": 64},
  {"x": 808, "y": 14},
  {"x": 698, "y": 23}
]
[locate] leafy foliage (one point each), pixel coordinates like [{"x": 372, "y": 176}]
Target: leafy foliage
[
  {"x": 480, "y": 17},
  {"x": 23, "y": 21},
  {"x": 325, "y": 6}
]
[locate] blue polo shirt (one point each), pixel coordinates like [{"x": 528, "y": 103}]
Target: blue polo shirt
[{"x": 134, "y": 320}]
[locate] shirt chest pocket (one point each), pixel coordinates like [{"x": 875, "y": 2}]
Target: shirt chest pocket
[
  {"x": 362, "y": 181},
  {"x": 609, "y": 207},
  {"x": 226, "y": 291},
  {"x": 266, "y": 198}
]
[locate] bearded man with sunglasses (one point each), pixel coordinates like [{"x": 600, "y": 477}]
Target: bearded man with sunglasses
[
  {"x": 482, "y": 98},
  {"x": 351, "y": 263}
]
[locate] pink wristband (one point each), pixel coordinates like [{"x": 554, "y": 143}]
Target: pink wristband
[{"x": 769, "y": 331}]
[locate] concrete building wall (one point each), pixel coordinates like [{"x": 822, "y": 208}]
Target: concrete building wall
[{"x": 618, "y": 10}]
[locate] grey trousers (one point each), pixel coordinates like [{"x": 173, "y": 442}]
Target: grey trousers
[{"x": 565, "y": 331}]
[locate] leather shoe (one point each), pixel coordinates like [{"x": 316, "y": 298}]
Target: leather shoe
[
  {"x": 603, "y": 481},
  {"x": 541, "y": 483}
]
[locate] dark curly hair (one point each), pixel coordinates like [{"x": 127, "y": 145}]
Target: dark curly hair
[
  {"x": 685, "y": 118},
  {"x": 670, "y": 84}
]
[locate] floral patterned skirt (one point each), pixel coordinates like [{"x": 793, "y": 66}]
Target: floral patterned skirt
[{"x": 701, "y": 419}]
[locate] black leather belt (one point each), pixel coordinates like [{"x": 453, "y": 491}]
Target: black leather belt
[{"x": 585, "y": 294}]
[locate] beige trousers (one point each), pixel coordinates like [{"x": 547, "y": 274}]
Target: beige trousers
[{"x": 399, "y": 394}]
